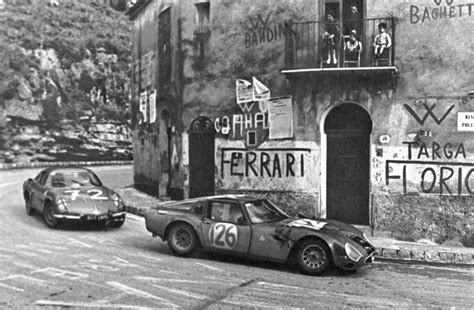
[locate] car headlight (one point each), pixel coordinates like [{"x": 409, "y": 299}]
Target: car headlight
[
  {"x": 352, "y": 252},
  {"x": 61, "y": 204},
  {"x": 118, "y": 202},
  {"x": 365, "y": 236}
]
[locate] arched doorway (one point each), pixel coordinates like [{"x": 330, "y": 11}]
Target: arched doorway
[
  {"x": 201, "y": 157},
  {"x": 348, "y": 127}
]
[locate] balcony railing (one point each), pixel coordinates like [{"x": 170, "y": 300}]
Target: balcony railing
[{"x": 305, "y": 45}]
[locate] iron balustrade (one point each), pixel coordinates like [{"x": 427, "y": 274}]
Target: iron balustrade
[{"x": 304, "y": 44}]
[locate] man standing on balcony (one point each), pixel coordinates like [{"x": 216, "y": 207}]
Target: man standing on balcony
[{"x": 352, "y": 21}]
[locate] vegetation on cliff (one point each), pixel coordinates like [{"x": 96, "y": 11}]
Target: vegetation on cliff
[{"x": 65, "y": 62}]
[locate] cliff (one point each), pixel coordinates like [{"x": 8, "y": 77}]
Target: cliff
[{"x": 64, "y": 82}]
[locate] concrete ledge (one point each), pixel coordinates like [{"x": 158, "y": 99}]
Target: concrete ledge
[
  {"x": 429, "y": 256},
  {"x": 12, "y": 166}
]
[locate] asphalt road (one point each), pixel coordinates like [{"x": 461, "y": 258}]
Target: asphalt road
[{"x": 127, "y": 268}]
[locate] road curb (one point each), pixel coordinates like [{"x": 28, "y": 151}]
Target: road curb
[
  {"x": 12, "y": 166},
  {"x": 396, "y": 255},
  {"x": 423, "y": 257}
]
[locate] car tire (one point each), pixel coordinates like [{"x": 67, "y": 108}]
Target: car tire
[
  {"x": 48, "y": 215},
  {"x": 117, "y": 224},
  {"x": 29, "y": 209},
  {"x": 182, "y": 239},
  {"x": 313, "y": 257}
]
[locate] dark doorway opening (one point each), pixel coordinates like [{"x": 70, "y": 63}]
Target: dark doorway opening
[
  {"x": 348, "y": 127},
  {"x": 201, "y": 157}
]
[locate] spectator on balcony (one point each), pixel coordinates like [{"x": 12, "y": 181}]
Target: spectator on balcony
[
  {"x": 353, "y": 20},
  {"x": 331, "y": 39},
  {"x": 382, "y": 41},
  {"x": 352, "y": 47}
]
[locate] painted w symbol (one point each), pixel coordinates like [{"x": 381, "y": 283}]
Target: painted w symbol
[{"x": 429, "y": 112}]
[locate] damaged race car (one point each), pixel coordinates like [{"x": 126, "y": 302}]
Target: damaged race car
[
  {"x": 256, "y": 228},
  {"x": 72, "y": 194}
]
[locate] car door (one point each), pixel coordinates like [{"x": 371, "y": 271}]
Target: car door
[
  {"x": 225, "y": 228},
  {"x": 266, "y": 243}
]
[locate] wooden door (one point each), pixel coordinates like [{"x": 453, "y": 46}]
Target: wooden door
[
  {"x": 348, "y": 129},
  {"x": 201, "y": 158}
]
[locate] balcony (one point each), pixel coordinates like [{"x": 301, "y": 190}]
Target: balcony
[{"x": 306, "y": 49}]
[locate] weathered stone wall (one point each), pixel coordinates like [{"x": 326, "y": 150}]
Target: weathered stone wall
[
  {"x": 412, "y": 217},
  {"x": 419, "y": 113}
]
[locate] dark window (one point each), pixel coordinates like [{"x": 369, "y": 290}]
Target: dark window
[
  {"x": 164, "y": 47},
  {"x": 43, "y": 178},
  {"x": 203, "y": 12},
  {"x": 226, "y": 212}
]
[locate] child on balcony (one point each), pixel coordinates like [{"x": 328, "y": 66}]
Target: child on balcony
[
  {"x": 330, "y": 39},
  {"x": 352, "y": 46},
  {"x": 382, "y": 41}
]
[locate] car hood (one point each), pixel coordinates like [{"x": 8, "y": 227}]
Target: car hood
[
  {"x": 324, "y": 226},
  {"x": 95, "y": 199}
]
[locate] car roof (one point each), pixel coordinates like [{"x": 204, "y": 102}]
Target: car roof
[
  {"x": 239, "y": 198},
  {"x": 57, "y": 168}
]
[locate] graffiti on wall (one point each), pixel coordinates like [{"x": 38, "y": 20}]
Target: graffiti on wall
[
  {"x": 264, "y": 163},
  {"x": 251, "y": 125},
  {"x": 263, "y": 31},
  {"x": 429, "y": 112},
  {"x": 446, "y": 9},
  {"x": 434, "y": 168}
]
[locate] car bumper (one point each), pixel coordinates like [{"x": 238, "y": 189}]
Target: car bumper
[
  {"x": 113, "y": 217},
  {"x": 154, "y": 223},
  {"x": 346, "y": 263}
]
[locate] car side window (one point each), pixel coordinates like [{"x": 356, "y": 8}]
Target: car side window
[
  {"x": 226, "y": 212},
  {"x": 38, "y": 177},
  {"x": 199, "y": 208},
  {"x": 42, "y": 179}
]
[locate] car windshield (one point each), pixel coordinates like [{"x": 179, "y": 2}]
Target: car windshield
[
  {"x": 264, "y": 211},
  {"x": 73, "y": 178}
]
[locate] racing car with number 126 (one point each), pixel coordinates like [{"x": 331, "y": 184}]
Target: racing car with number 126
[{"x": 255, "y": 227}]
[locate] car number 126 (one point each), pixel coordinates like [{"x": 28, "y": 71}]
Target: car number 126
[{"x": 223, "y": 235}]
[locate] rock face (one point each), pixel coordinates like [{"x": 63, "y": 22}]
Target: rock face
[
  {"x": 24, "y": 140},
  {"x": 64, "y": 87}
]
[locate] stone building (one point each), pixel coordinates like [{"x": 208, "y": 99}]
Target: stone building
[{"x": 266, "y": 97}]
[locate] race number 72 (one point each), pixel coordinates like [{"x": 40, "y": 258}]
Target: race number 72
[{"x": 95, "y": 194}]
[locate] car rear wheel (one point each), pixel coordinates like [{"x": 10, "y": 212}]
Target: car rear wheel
[
  {"x": 29, "y": 209},
  {"x": 182, "y": 239},
  {"x": 313, "y": 257},
  {"x": 48, "y": 215}
]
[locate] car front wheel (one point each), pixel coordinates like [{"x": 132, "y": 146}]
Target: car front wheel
[
  {"x": 48, "y": 216},
  {"x": 182, "y": 239},
  {"x": 313, "y": 257}
]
